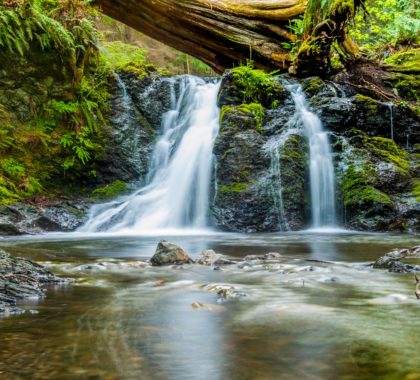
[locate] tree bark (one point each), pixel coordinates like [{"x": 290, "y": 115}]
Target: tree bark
[{"x": 221, "y": 33}]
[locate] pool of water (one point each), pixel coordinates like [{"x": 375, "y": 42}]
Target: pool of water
[{"x": 321, "y": 314}]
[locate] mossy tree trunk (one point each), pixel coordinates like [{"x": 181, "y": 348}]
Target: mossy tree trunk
[
  {"x": 326, "y": 23},
  {"x": 221, "y": 33}
]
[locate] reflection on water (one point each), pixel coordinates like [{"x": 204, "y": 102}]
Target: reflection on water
[{"x": 305, "y": 318}]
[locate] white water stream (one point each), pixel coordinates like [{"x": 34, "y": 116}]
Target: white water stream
[
  {"x": 178, "y": 185},
  {"x": 321, "y": 167}
]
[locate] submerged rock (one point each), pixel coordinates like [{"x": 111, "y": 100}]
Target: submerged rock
[
  {"x": 22, "y": 279},
  {"x": 168, "y": 253}
]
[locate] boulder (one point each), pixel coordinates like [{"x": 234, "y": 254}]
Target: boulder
[
  {"x": 22, "y": 218},
  {"x": 22, "y": 279},
  {"x": 168, "y": 253}
]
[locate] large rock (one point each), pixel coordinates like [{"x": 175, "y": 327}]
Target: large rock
[
  {"x": 393, "y": 260},
  {"x": 168, "y": 253},
  {"x": 22, "y": 279},
  {"x": 136, "y": 110},
  {"x": 22, "y": 218}
]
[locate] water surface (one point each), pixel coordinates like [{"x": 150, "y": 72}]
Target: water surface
[{"x": 321, "y": 314}]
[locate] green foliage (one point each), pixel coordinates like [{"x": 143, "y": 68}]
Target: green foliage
[
  {"x": 195, "y": 66},
  {"x": 111, "y": 191},
  {"x": 124, "y": 57},
  {"x": 66, "y": 130},
  {"x": 256, "y": 86},
  {"x": 315, "y": 12},
  {"x": 389, "y": 23}
]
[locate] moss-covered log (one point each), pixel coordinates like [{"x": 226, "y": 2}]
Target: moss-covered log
[
  {"x": 221, "y": 33},
  {"x": 326, "y": 23}
]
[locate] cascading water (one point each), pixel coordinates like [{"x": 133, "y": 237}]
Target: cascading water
[
  {"x": 321, "y": 169},
  {"x": 390, "y": 106},
  {"x": 177, "y": 193}
]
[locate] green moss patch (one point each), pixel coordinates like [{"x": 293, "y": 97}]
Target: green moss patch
[
  {"x": 111, "y": 191},
  {"x": 235, "y": 187},
  {"x": 257, "y": 86},
  {"x": 405, "y": 61},
  {"x": 386, "y": 150}
]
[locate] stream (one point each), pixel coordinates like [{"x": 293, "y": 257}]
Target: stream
[{"x": 320, "y": 314}]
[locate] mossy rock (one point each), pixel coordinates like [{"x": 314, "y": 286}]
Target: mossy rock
[
  {"x": 405, "y": 61},
  {"x": 407, "y": 86},
  {"x": 111, "y": 191},
  {"x": 246, "y": 85}
]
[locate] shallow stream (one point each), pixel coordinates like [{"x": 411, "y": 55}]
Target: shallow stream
[{"x": 320, "y": 314}]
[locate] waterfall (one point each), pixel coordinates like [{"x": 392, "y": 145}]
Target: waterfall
[
  {"x": 321, "y": 169},
  {"x": 178, "y": 184},
  {"x": 273, "y": 148},
  {"x": 390, "y": 106}
]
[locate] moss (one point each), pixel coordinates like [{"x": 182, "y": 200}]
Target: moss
[
  {"x": 257, "y": 86},
  {"x": 224, "y": 111},
  {"x": 235, "y": 187},
  {"x": 358, "y": 187},
  {"x": 416, "y": 189},
  {"x": 405, "y": 61},
  {"x": 110, "y": 191},
  {"x": 370, "y": 103},
  {"x": 313, "y": 85},
  {"x": 388, "y": 151},
  {"x": 257, "y": 110},
  {"x": 407, "y": 86}
]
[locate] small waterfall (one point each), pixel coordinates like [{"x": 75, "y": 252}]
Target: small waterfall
[
  {"x": 177, "y": 193},
  {"x": 273, "y": 148},
  {"x": 322, "y": 179},
  {"x": 391, "y": 106}
]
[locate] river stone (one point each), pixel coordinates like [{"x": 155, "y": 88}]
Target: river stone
[
  {"x": 211, "y": 258},
  {"x": 168, "y": 253}
]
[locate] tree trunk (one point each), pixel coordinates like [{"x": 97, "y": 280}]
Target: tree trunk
[{"x": 221, "y": 33}]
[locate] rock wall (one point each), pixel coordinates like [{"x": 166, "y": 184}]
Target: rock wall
[{"x": 376, "y": 175}]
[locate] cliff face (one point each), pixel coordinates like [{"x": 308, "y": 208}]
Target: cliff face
[
  {"x": 375, "y": 149},
  {"x": 261, "y": 179}
]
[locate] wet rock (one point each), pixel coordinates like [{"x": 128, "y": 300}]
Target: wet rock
[
  {"x": 168, "y": 253},
  {"x": 22, "y": 279},
  {"x": 392, "y": 260},
  {"x": 22, "y": 218},
  {"x": 211, "y": 258},
  {"x": 136, "y": 109},
  {"x": 225, "y": 291}
]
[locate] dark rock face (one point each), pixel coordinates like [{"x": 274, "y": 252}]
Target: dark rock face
[
  {"x": 248, "y": 152},
  {"x": 136, "y": 110},
  {"x": 375, "y": 174},
  {"x": 168, "y": 253},
  {"x": 21, "y": 279},
  {"x": 242, "y": 201},
  {"x": 21, "y": 218}
]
